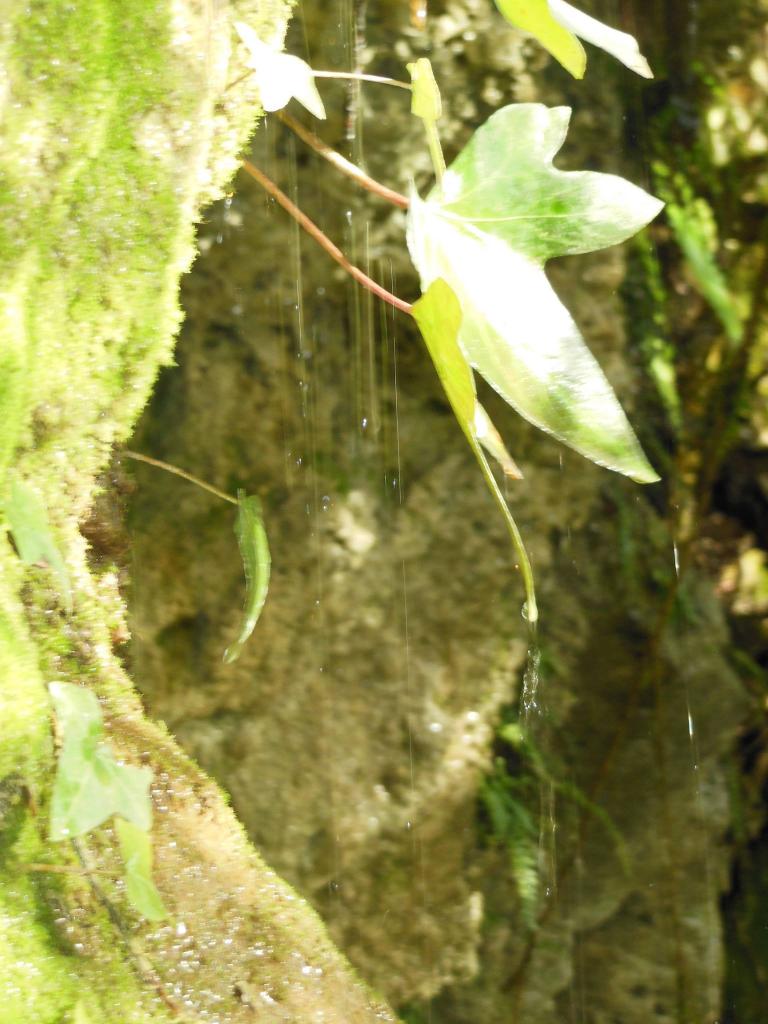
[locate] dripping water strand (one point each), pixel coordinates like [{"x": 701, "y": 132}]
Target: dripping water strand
[{"x": 531, "y": 678}]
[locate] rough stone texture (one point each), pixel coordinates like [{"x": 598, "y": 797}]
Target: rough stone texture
[{"x": 354, "y": 731}]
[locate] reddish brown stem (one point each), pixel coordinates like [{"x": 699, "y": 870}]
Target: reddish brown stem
[
  {"x": 323, "y": 240},
  {"x": 342, "y": 164}
]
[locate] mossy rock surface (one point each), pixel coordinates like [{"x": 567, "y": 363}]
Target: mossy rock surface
[{"x": 117, "y": 126}]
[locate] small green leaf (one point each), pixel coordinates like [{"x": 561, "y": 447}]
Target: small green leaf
[
  {"x": 501, "y": 212},
  {"x": 439, "y": 316},
  {"x": 90, "y": 785},
  {"x": 33, "y": 537},
  {"x": 426, "y": 102},
  {"x": 280, "y": 76},
  {"x": 556, "y": 24},
  {"x": 696, "y": 234},
  {"x": 136, "y": 849},
  {"x": 254, "y": 550},
  {"x": 620, "y": 45},
  {"x": 535, "y": 16},
  {"x": 427, "y": 105}
]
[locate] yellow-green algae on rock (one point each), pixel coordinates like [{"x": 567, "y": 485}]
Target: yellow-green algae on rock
[{"x": 117, "y": 125}]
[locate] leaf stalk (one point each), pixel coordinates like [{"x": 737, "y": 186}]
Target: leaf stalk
[
  {"x": 357, "y": 174},
  {"x": 323, "y": 240},
  {"x": 159, "y": 464},
  {"x": 531, "y": 608}
]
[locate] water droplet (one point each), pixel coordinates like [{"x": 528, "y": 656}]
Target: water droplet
[
  {"x": 364, "y": 422},
  {"x": 531, "y": 680},
  {"x": 435, "y": 727}
]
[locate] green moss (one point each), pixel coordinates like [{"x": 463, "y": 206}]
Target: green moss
[{"x": 117, "y": 125}]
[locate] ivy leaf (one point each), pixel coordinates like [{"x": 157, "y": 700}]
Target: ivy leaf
[
  {"x": 254, "y": 550},
  {"x": 280, "y": 76},
  {"x": 556, "y": 24},
  {"x": 136, "y": 850},
  {"x": 33, "y": 537},
  {"x": 502, "y": 211},
  {"x": 90, "y": 785}
]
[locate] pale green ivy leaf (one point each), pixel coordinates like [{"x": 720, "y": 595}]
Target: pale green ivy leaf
[
  {"x": 33, "y": 537},
  {"x": 90, "y": 785},
  {"x": 136, "y": 850},
  {"x": 280, "y": 76},
  {"x": 502, "y": 211},
  {"x": 556, "y": 24},
  {"x": 254, "y": 550}
]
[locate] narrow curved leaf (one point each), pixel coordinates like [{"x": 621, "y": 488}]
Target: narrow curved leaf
[
  {"x": 439, "y": 316},
  {"x": 254, "y": 550},
  {"x": 503, "y": 210},
  {"x": 136, "y": 850},
  {"x": 33, "y": 537},
  {"x": 620, "y": 45},
  {"x": 535, "y": 16},
  {"x": 556, "y": 24}
]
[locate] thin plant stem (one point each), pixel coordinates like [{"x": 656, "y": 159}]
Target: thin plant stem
[
  {"x": 342, "y": 164},
  {"x": 323, "y": 240},
  {"x": 159, "y": 464},
  {"x": 63, "y": 869},
  {"x": 531, "y": 608},
  {"x": 435, "y": 150},
  {"x": 343, "y": 75},
  {"x": 358, "y": 76}
]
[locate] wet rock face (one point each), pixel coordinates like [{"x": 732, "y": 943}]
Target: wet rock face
[{"x": 354, "y": 730}]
